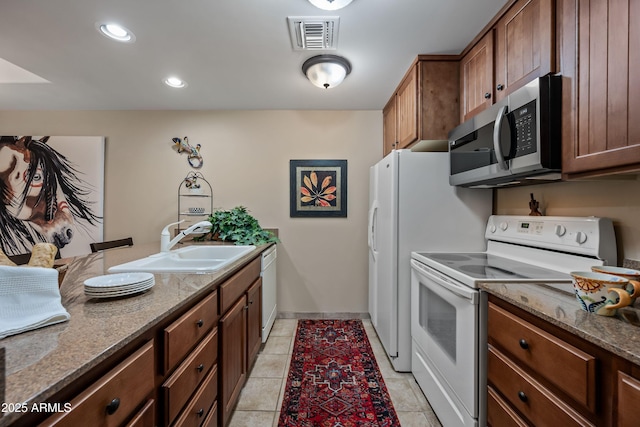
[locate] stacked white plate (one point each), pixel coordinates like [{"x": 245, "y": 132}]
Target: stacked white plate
[{"x": 118, "y": 285}]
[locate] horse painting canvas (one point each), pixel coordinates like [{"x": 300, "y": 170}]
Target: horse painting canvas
[{"x": 51, "y": 190}]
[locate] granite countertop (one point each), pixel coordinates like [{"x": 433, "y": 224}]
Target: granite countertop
[
  {"x": 560, "y": 308},
  {"x": 41, "y": 362}
]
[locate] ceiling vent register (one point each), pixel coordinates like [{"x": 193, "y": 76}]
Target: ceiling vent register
[{"x": 314, "y": 32}]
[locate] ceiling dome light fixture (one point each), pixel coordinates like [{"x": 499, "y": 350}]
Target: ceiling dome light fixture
[
  {"x": 116, "y": 32},
  {"x": 175, "y": 82},
  {"x": 326, "y": 71},
  {"x": 330, "y": 4}
]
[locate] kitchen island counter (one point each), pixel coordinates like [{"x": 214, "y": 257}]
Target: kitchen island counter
[
  {"x": 562, "y": 310},
  {"x": 42, "y": 362}
]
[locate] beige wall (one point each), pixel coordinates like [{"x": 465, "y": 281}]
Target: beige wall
[
  {"x": 618, "y": 199},
  {"x": 322, "y": 264}
]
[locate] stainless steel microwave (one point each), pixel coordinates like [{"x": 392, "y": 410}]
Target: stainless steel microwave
[{"x": 514, "y": 142}]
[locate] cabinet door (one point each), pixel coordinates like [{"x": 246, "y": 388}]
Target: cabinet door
[
  {"x": 407, "y": 107},
  {"x": 600, "y": 55},
  {"x": 525, "y": 40},
  {"x": 476, "y": 78},
  {"x": 389, "y": 120},
  {"x": 628, "y": 398},
  {"x": 254, "y": 321},
  {"x": 233, "y": 356}
]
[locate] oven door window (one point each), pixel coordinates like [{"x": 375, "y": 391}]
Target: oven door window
[{"x": 438, "y": 320}]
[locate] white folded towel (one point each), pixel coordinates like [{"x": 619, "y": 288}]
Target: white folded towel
[{"x": 29, "y": 299}]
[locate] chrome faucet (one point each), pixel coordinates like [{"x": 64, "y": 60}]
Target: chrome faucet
[{"x": 165, "y": 238}]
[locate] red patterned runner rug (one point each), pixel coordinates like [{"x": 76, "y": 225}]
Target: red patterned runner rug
[{"x": 334, "y": 380}]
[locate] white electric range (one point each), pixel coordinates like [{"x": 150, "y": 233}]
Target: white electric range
[{"x": 448, "y": 311}]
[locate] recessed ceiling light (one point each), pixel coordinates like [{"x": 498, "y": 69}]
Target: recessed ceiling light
[
  {"x": 116, "y": 32},
  {"x": 330, "y": 4},
  {"x": 175, "y": 82}
]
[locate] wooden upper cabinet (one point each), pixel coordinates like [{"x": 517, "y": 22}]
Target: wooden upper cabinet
[
  {"x": 407, "y": 108},
  {"x": 476, "y": 78},
  {"x": 524, "y": 45},
  {"x": 601, "y": 92},
  {"x": 425, "y": 104},
  {"x": 389, "y": 139}
]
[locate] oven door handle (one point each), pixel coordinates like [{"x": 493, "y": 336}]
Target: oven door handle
[{"x": 460, "y": 290}]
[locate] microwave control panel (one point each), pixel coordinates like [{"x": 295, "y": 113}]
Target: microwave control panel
[{"x": 525, "y": 129}]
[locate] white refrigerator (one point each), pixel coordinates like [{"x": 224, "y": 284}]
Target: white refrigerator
[{"x": 412, "y": 207}]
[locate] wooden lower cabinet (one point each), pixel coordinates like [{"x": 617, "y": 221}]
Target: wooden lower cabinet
[
  {"x": 233, "y": 356},
  {"x": 254, "y": 321},
  {"x": 628, "y": 400},
  {"x": 187, "y": 371},
  {"x": 541, "y": 375},
  {"x": 114, "y": 398}
]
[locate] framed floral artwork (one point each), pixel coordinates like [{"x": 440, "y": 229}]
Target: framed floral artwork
[{"x": 318, "y": 188}]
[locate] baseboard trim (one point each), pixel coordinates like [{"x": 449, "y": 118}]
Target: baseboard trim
[{"x": 342, "y": 316}]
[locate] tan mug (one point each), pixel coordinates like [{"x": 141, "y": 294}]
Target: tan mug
[
  {"x": 601, "y": 293},
  {"x": 633, "y": 276}
]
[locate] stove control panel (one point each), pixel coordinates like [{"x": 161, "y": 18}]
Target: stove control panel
[{"x": 591, "y": 236}]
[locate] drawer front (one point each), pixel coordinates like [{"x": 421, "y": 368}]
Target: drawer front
[
  {"x": 499, "y": 413},
  {"x": 570, "y": 369},
  {"x": 212, "y": 418},
  {"x": 183, "y": 382},
  {"x": 529, "y": 397},
  {"x": 628, "y": 398},
  {"x": 146, "y": 417},
  {"x": 183, "y": 334},
  {"x": 201, "y": 404},
  {"x": 233, "y": 288},
  {"x": 114, "y": 398}
]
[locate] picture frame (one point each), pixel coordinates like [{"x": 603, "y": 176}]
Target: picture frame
[{"x": 318, "y": 188}]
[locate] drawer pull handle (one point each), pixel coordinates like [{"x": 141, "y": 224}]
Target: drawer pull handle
[
  {"x": 522, "y": 396},
  {"x": 200, "y": 323},
  {"x": 524, "y": 344},
  {"x": 200, "y": 412},
  {"x": 200, "y": 367},
  {"x": 113, "y": 406}
]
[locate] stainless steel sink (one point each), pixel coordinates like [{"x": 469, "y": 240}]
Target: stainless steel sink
[{"x": 190, "y": 259}]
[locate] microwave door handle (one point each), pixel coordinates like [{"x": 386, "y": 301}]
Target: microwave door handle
[{"x": 502, "y": 164}]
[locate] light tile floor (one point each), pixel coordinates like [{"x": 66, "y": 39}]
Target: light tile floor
[{"x": 261, "y": 397}]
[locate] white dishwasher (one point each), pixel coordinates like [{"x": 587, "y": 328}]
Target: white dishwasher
[{"x": 269, "y": 307}]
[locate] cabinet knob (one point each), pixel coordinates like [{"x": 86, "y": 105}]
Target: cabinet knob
[
  {"x": 250, "y": 302},
  {"x": 500, "y": 87},
  {"x": 200, "y": 367},
  {"x": 523, "y": 397},
  {"x": 113, "y": 406},
  {"x": 246, "y": 307},
  {"x": 487, "y": 95},
  {"x": 200, "y": 322},
  {"x": 200, "y": 412},
  {"x": 524, "y": 344}
]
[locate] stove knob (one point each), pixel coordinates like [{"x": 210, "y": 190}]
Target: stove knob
[
  {"x": 560, "y": 230},
  {"x": 492, "y": 228},
  {"x": 504, "y": 226},
  {"x": 581, "y": 237}
]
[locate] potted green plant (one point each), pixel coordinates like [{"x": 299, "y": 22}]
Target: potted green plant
[{"x": 238, "y": 226}]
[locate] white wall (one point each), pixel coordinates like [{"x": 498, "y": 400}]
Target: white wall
[
  {"x": 617, "y": 198},
  {"x": 322, "y": 265}
]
